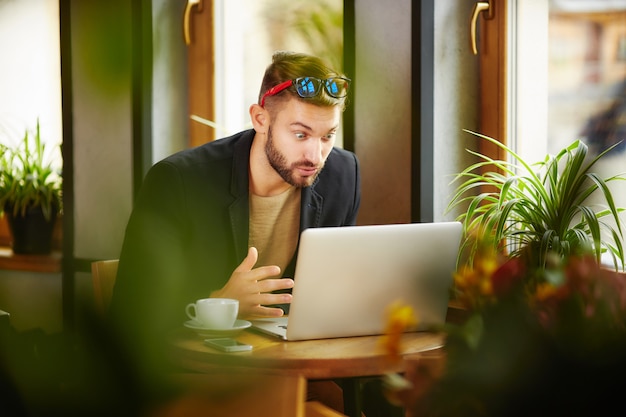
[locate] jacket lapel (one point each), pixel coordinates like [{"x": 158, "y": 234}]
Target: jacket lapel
[
  {"x": 311, "y": 204},
  {"x": 240, "y": 208},
  {"x": 310, "y": 208}
]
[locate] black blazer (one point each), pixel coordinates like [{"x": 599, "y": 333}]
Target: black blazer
[{"x": 189, "y": 227}]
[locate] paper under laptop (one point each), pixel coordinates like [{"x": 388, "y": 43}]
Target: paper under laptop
[{"x": 347, "y": 277}]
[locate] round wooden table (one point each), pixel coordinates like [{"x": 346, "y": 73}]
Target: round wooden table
[
  {"x": 314, "y": 359},
  {"x": 347, "y": 358}
]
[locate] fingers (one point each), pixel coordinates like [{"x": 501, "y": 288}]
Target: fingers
[
  {"x": 248, "y": 263},
  {"x": 265, "y": 299},
  {"x": 262, "y": 311},
  {"x": 260, "y": 273},
  {"x": 256, "y": 304},
  {"x": 274, "y": 284},
  {"x": 255, "y": 287}
]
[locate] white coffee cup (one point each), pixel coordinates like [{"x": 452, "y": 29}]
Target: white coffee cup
[{"x": 214, "y": 313}]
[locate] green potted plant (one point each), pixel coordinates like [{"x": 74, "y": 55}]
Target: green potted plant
[
  {"x": 539, "y": 209},
  {"x": 30, "y": 193}
]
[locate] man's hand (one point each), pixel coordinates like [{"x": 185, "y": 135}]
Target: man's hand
[{"x": 253, "y": 288}]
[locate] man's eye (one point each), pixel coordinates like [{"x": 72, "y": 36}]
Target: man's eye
[
  {"x": 330, "y": 136},
  {"x": 300, "y": 135}
]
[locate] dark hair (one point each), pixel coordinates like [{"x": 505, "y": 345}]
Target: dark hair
[{"x": 289, "y": 65}]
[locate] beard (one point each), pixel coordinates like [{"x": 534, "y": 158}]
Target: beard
[{"x": 287, "y": 172}]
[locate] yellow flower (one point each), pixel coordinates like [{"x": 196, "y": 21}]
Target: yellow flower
[
  {"x": 473, "y": 281},
  {"x": 488, "y": 264},
  {"x": 400, "y": 317},
  {"x": 545, "y": 291},
  {"x": 486, "y": 288}
]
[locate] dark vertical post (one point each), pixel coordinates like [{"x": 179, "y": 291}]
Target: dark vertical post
[
  {"x": 67, "y": 151},
  {"x": 349, "y": 68},
  {"x": 141, "y": 89},
  {"x": 422, "y": 97}
]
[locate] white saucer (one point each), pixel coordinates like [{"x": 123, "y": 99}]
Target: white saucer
[{"x": 206, "y": 332}]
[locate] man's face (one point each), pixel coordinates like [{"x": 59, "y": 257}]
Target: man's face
[{"x": 300, "y": 139}]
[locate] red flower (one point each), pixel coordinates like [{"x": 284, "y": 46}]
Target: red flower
[{"x": 507, "y": 276}]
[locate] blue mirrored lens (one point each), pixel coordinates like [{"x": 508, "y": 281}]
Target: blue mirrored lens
[
  {"x": 307, "y": 87},
  {"x": 332, "y": 87}
]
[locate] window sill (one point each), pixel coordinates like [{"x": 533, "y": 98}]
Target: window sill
[{"x": 31, "y": 263}]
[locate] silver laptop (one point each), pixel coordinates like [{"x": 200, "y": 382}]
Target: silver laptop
[{"x": 347, "y": 277}]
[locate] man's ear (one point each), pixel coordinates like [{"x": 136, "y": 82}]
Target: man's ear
[{"x": 259, "y": 117}]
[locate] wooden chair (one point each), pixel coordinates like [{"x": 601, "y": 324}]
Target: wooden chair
[
  {"x": 236, "y": 393},
  {"x": 317, "y": 409},
  {"x": 225, "y": 394},
  {"x": 103, "y": 274}
]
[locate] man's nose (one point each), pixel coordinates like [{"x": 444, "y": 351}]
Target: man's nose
[{"x": 314, "y": 150}]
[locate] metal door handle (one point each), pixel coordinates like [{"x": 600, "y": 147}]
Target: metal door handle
[
  {"x": 479, "y": 7},
  {"x": 186, "y": 19}
]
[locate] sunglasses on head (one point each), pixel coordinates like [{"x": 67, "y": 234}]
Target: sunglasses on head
[{"x": 310, "y": 87}]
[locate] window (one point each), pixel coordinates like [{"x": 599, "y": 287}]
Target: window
[
  {"x": 247, "y": 32},
  {"x": 560, "y": 75},
  {"x": 30, "y": 76}
]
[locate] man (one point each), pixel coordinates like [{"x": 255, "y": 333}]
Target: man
[{"x": 224, "y": 219}]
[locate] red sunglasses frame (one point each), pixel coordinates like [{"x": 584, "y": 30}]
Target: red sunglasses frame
[{"x": 275, "y": 90}]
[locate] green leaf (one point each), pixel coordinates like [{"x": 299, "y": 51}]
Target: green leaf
[
  {"x": 27, "y": 178},
  {"x": 535, "y": 209}
]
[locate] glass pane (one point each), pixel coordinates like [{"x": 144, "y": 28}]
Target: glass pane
[
  {"x": 249, "y": 31},
  {"x": 30, "y": 73},
  {"x": 587, "y": 73}
]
